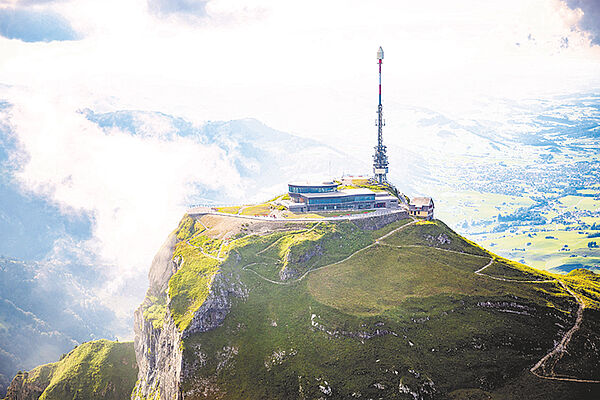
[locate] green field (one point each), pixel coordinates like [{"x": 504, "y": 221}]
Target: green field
[
  {"x": 535, "y": 249},
  {"x": 356, "y": 287},
  {"x": 475, "y": 213},
  {"x": 371, "y": 318}
]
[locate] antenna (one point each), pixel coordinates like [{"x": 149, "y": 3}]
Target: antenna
[{"x": 380, "y": 161}]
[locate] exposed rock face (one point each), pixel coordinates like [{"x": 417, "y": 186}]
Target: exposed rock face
[
  {"x": 442, "y": 238},
  {"x": 159, "y": 350},
  {"x": 218, "y": 303},
  {"x": 159, "y": 357},
  {"x": 23, "y": 389},
  {"x": 379, "y": 221},
  {"x": 289, "y": 272},
  {"x": 163, "y": 267}
]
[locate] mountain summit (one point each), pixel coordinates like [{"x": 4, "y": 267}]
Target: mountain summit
[{"x": 373, "y": 307}]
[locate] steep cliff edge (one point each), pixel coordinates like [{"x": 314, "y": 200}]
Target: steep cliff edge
[
  {"x": 244, "y": 309},
  {"x": 188, "y": 293}
]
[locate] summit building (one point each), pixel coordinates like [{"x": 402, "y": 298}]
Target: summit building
[{"x": 326, "y": 196}]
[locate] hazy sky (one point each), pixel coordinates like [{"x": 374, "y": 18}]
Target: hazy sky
[{"x": 304, "y": 67}]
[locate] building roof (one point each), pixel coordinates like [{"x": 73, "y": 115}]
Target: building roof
[
  {"x": 338, "y": 193},
  {"x": 388, "y": 197},
  {"x": 421, "y": 201},
  {"x": 313, "y": 184}
]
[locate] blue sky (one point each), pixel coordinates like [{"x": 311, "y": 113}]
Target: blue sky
[{"x": 35, "y": 25}]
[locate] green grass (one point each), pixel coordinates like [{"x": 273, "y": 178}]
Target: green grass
[
  {"x": 229, "y": 210},
  {"x": 283, "y": 341},
  {"x": 382, "y": 277},
  {"x": 94, "y": 370},
  {"x": 189, "y": 287},
  {"x": 428, "y": 233},
  {"x": 586, "y": 284},
  {"x": 390, "y": 227},
  {"x": 258, "y": 209},
  {"x": 305, "y": 250},
  {"x": 186, "y": 227},
  {"x": 505, "y": 268},
  {"x": 155, "y": 309},
  {"x": 209, "y": 245}
]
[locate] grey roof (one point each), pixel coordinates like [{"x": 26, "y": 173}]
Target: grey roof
[
  {"x": 339, "y": 193},
  {"x": 421, "y": 201},
  {"x": 314, "y": 184},
  {"x": 389, "y": 197}
]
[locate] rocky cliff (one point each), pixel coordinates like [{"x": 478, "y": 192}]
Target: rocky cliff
[
  {"x": 159, "y": 346},
  {"x": 372, "y": 308}
]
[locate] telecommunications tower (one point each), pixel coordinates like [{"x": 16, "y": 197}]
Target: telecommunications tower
[{"x": 380, "y": 161}]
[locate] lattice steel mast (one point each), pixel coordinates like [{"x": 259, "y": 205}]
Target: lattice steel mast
[{"x": 380, "y": 161}]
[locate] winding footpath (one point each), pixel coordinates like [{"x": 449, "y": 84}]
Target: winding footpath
[
  {"x": 292, "y": 281},
  {"x": 561, "y": 346},
  {"x": 558, "y": 350}
]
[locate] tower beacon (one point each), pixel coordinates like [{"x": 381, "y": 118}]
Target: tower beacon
[{"x": 380, "y": 161}]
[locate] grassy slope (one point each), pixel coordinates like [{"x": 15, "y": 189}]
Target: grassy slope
[
  {"x": 441, "y": 323},
  {"x": 94, "y": 370}
]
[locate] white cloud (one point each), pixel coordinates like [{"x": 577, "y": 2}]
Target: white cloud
[
  {"x": 134, "y": 187},
  {"x": 280, "y": 61}
]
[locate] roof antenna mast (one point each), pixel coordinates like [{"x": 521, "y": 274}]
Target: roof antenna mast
[{"x": 380, "y": 161}]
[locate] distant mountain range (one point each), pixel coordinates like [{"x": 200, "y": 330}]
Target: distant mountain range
[{"x": 265, "y": 158}]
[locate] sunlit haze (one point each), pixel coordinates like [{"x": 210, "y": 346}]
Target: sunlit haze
[{"x": 306, "y": 68}]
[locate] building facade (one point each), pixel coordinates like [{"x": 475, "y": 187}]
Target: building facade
[
  {"x": 325, "y": 196},
  {"x": 421, "y": 207}
]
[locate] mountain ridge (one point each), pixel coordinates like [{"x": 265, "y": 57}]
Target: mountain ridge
[
  {"x": 248, "y": 308},
  {"x": 197, "y": 372}
]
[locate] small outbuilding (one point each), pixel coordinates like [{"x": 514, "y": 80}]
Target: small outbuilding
[{"x": 421, "y": 207}]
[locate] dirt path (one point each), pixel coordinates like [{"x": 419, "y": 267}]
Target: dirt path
[
  {"x": 558, "y": 350},
  {"x": 205, "y": 253},
  {"x": 275, "y": 242},
  {"x": 561, "y": 347},
  {"x": 292, "y": 281}
]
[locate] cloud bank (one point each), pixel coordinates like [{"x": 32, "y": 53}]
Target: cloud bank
[
  {"x": 590, "y": 20},
  {"x": 133, "y": 188}
]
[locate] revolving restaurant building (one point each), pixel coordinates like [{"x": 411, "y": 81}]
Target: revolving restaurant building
[{"x": 325, "y": 196}]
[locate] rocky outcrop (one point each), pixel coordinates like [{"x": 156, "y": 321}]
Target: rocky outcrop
[
  {"x": 22, "y": 388},
  {"x": 218, "y": 303},
  {"x": 298, "y": 260},
  {"x": 163, "y": 267},
  {"x": 159, "y": 351},
  {"x": 159, "y": 358},
  {"x": 442, "y": 238}
]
